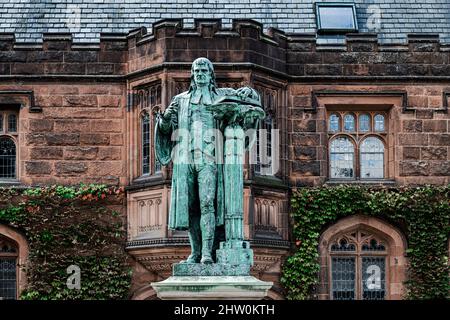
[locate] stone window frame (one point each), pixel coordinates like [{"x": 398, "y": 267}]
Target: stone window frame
[
  {"x": 20, "y": 242},
  {"x": 395, "y": 243},
  {"x": 22, "y": 103},
  {"x": 392, "y": 102},
  {"x": 358, "y": 254},
  {"x": 357, "y": 137},
  {"x": 261, "y": 82},
  {"x": 270, "y": 95},
  {"x": 142, "y": 103},
  {"x": 11, "y": 135}
]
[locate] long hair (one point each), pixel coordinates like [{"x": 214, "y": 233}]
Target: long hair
[{"x": 212, "y": 85}]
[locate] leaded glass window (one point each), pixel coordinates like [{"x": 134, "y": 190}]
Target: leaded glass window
[
  {"x": 147, "y": 99},
  {"x": 358, "y": 266},
  {"x": 7, "y": 158},
  {"x": 349, "y": 123},
  {"x": 334, "y": 125},
  {"x": 359, "y": 151},
  {"x": 157, "y": 163},
  {"x": 343, "y": 278},
  {"x": 364, "y": 123},
  {"x": 8, "y": 269},
  {"x": 7, "y": 278},
  {"x": 265, "y": 138},
  {"x": 373, "y": 245},
  {"x": 373, "y": 278},
  {"x": 372, "y": 158},
  {"x": 342, "y": 158},
  {"x": 264, "y": 147},
  {"x": 343, "y": 245},
  {"x": 12, "y": 123},
  {"x": 379, "y": 123},
  {"x": 145, "y": 136}
]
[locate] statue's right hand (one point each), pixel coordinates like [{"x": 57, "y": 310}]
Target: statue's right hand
[{"x": 169, "y": 111}]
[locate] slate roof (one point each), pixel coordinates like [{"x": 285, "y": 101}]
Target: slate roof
[{"x": 28, "y": 19}]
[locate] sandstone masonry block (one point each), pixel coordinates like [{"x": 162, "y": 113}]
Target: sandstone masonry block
[
  {"x": 37, "y": 167},
  {"x": 306, "y": 139},
  {"x": 435, "y": 125},
  {"x": 307, "y": 168},
  {"x": 412, "y": 125},
  {"x": 106, "y": 126},
  {"x": 62, "y": 139},
  {"x": 304, "y": 126},
  {"x": 413, "y": 139},
  {"x": 414, "y": 168},
  {"x": 50, "y": 153},
  {"x": 411, "y": 153},
  {"x": 80, "y": 153},
  {"x": 441, "y": 168},
  {"x": 80, "y": 101},
  {"x": 72, "y": 125},
  {"x": 40, "y": 125},
  {"x": 442, "y": 139},
  {"x": 70, "y": 167},
  {"x": 35, "y": 139},
  {"x": 434, "y": 153},
  {"x": 110, "y": 153},
  {"x": 94, "y": 139},
  {"x": 110, "y": 101},
  {"x": 305, "y": 153}
]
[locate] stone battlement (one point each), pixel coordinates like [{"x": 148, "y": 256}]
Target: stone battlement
[{"x": 245, "y": 45}]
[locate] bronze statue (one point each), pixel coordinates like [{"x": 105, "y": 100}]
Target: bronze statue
[{"x": 191, "y": 133}]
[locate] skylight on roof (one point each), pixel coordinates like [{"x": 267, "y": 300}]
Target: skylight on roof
[{"x": 336, "y": 17}]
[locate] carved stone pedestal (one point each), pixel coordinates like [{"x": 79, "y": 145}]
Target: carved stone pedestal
[
  {"x": 211, "y": 288},
  {"x": 214, "y": 269}
]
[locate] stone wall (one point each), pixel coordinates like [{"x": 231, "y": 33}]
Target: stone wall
[{"x": 71, "y": 125}]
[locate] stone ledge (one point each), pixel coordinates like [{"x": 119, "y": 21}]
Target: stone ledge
[{"x": 212, "y": 288}]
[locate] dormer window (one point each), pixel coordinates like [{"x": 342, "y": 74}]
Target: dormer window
[{"x": 336, "y": 17}]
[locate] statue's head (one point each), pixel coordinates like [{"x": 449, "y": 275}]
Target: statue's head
[{"x": 202, "y": 73}]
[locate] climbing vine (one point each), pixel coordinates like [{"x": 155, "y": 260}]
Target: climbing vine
[
  {"x": 81, "y": 226},
  {"x": 423, "y": 214}
]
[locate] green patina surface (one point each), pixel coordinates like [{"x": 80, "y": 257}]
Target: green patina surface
[
  {"x": 203, "y": 132},
  {"x": 214, "y": 269}
]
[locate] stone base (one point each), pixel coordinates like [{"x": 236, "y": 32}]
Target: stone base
[
  {"x": 214, "y": 269},
  {"x": 211, "y": 288}
]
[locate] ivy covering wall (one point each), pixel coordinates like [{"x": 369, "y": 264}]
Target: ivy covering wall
[
  {"x": 66, "y": 226},
  {"x": 423, "y": 213}
]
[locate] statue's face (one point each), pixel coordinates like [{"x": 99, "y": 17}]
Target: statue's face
[{"x": 202, "y": 75}]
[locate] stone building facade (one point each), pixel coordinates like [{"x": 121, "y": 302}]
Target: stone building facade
[{"x": 84, "y": 113}]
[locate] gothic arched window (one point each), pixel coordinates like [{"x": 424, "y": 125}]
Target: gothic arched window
[
  {"x": 7, "y": 158},
  {"x": 266, "y": 139},
  {"x": 358, "y": 267},
  {"x": 8, "y": 269},
  {"x": 148, "y": 100}
]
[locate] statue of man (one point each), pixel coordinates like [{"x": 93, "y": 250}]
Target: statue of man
[{"x": 197, "y": 193}]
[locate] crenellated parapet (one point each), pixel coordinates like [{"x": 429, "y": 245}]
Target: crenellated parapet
[
  {"x": 287, "y": 54},
  {"x": 244, "y": 45},
  {"x": 58, "y": 55}
]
